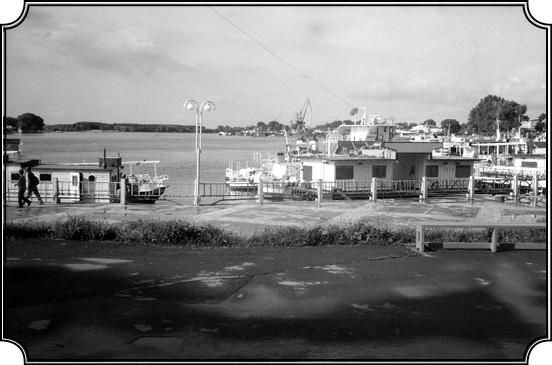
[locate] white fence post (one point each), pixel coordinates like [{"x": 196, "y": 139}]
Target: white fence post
[
  {"x": 56, "y": 190},
  {"x": 374, "y": 189},
  {"x": 535, "y": 189},
  {"x": 471, "y": 187},
  {"x": 123, "y": 191},
  {"x": 423, "y": 188},
  {"x": 535, "y": 185},
  {"x": 260, "y": 191},
  {"x": 515, "y": 188},
  {"x": 319, "y": 193}
]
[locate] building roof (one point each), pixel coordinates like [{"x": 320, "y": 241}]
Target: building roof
[
  {"x": 413, "y": 147},
  {"x": 453, "y": 158},
  {"x": 345, "y": 158},
  {"x": 75, "y": 168}
]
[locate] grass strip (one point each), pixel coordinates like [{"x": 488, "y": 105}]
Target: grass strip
[{"x": 185, "y": 233}]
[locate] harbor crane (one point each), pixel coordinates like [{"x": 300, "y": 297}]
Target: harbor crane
[{"x": 300, "y": 122}]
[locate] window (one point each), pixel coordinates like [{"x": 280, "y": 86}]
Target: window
[
  {"x": 528, "y": 164},
  {"x": 344, "y": 172},
  {"x": 45, "y": 177},
  {"x": 432, "y": 171},
  {"x": 463, "y": 171},
  {"x": 74, "y": 180},
  {"x": 379, "y": 171},
  {"x": 15, "y": 177}
]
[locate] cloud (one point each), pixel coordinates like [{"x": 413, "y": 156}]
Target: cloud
[
  {"x": 129, "y": 52},
  {"x": 418, "y": 90}
]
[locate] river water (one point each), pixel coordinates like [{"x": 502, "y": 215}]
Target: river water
[{"x": 175, "y": 151}]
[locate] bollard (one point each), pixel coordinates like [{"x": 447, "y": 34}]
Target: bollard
[
  {"x": 535, "y": 189},
  {"x": 123, "y": 191},
  {"x": 260, "y": 192},
  {"x": 56, "y": 191},
  {"x": 319, "y": 193},
  {"x": 471, "y": 187},
  {"x": 374, "y": 189},
  {"x": 494, "y": 240},
  {"x": 423, "y": 188}
]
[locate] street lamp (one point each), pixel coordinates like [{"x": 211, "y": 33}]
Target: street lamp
[{"x": 206, "y": 106}]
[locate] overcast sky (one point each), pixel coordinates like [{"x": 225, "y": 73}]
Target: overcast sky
[{"x": 139, "y": 64}]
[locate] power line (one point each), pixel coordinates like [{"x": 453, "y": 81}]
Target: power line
[{"x": 307, "y": 77}]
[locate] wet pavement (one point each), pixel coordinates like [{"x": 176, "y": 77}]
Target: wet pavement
[
  {"x": 246, "y": 216},
  {"x": 102, "y": 301}
]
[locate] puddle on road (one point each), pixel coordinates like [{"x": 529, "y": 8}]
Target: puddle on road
[
  {"x": 104, "y": 261},
  {"x": 301, "y": 286},
  {"x": 260, "y": 300},
  {"x": 482, "y": 281},
  {"x": 142, "y": 327},
  {"x": 39, "y": 325},
  {"x": 416, "y": 291},
  {"x": 332, "y": 269},
  {"x": 238, "y": 267},
  {"x": 84, "y": 267},
  {"x": 212, "y": 279},
  {"x": 162, "y": 343},
  {"x": 362, "y": 307}
]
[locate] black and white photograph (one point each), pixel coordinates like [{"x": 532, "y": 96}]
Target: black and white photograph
[{"x": 275, "y": 182}]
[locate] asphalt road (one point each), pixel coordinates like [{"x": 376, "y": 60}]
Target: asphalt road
[{"x": 106, "y": 301}]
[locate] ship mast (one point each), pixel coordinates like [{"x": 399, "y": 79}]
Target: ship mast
[{"x": 498, "y": 123}]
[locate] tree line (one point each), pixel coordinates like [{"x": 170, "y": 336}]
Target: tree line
[{"x": 481, "y": 120}]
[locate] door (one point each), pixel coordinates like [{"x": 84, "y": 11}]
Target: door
[{"x": 307, "y": 173}]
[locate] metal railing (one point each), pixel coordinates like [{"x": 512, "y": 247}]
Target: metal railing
[
  {"x": 447, "y": 186},
  {"x": 62, "y": 191}
]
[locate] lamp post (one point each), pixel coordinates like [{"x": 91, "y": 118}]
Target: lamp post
[{"x": 205, "y": 106}]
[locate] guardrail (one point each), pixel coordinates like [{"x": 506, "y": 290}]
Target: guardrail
[{"x": 493, "y": 245}]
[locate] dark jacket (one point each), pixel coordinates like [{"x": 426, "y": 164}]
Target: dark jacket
[
  {"x": 22, "y": 183},
  {"x": 33, "y": 180}
]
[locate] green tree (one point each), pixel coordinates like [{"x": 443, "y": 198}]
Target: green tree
[
  {"x": 402, "y": 125},
  {"x": 482, "y": 117},
  {"x": 261, "y": 127},
  {"x": 30, "y": 123},
  {"x": 274, "y": 126},
  {"x": 541, "y": 124},
  {"x": 10, "y": 123},
  {"x": 429, "y": 122},
  {"x": 453, "y": 124}
]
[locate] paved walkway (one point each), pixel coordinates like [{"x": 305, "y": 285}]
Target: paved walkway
[{"x": 247, "y": 216}]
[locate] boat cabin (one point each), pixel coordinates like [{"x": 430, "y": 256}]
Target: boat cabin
[
  {"x": 75, "y": 182},
  {"x": 390, "y": 161}
]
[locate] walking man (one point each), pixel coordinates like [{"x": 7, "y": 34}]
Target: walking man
[
  {"x": 33, "y": 185},
  {"x": 21, "y": 187}
]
